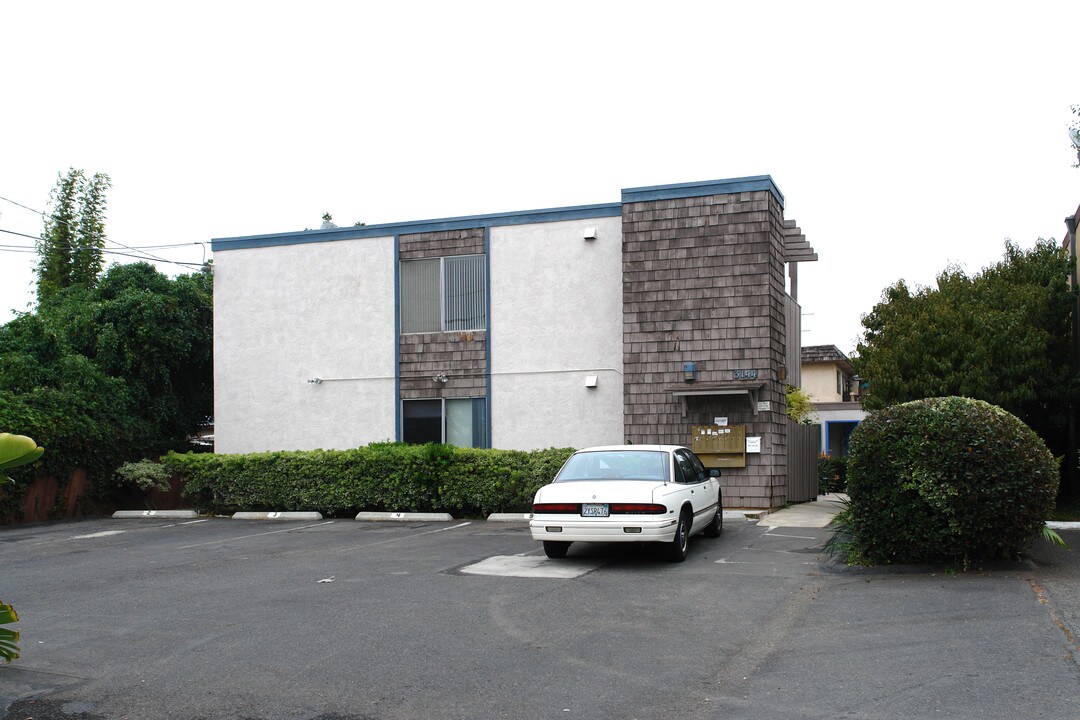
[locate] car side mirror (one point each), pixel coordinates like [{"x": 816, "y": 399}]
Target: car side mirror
[{"x": 714, "y": 472}]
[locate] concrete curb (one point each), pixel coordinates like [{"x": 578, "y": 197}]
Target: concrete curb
[
  {"x": 157, "y": 514},
  {"x": 277, "y": 516},
  {"x": 404, "y": 517},
  {"x": 1062, "y": 525},
  {"x": 508, "y": 517}
]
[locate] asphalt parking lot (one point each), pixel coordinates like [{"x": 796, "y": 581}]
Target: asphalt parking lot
[{"x": 342, "y": 620}]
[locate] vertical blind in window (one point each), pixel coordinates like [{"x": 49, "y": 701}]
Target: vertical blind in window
[
  {"x": 420, "y": 296},
  {"x": 465, "y": 293},
  {"x": 447, "y": 294}
]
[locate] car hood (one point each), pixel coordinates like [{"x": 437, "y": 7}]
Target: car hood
[{"x": 577, "y": 491}]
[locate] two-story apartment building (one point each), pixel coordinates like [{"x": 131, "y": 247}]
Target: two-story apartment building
[{"x": 631, "y": 321}]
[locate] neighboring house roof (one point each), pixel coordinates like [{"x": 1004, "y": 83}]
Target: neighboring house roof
[{"x": 826, "y": 353}]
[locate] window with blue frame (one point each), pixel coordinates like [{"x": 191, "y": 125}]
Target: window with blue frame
[{"x": 446, "y": 294}]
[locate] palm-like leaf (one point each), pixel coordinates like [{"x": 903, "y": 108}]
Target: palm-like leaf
[
  {"x": 9, "y": 639},
  {"x": 16, "y": 450}
]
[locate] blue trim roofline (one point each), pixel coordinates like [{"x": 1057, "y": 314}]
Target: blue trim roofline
[
  {"x": 520, "y": 217},
  {"x": 700, "y": 189}
]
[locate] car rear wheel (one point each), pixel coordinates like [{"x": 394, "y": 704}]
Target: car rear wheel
[
  {"x": 680, "y": 544},
  {"x": 714, "y": 528},
  {"x": 556, "y": 548}
]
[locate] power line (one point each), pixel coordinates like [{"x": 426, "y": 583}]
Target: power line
[
  {"x": 12, "y": 232},
  {"x": 133, "y": 247},
  {"x": 145, "y": 256},
  {"x": 29, "y": 250},
  {"x": 36, "y": 212}
]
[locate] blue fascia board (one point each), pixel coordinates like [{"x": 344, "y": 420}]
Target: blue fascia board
[
  {"x": 520, "y": 217},
  {"x": 730, "y": 186}
]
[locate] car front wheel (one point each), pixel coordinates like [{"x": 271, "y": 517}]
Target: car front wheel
[
  {"x": 680, "y": 544},
  {"x": 556, "y": 548}
]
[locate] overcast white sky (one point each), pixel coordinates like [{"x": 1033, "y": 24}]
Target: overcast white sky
[{"x": 905, "y": 136}]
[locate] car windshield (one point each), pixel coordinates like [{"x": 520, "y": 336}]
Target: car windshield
[{"x": 616, "y": 465}]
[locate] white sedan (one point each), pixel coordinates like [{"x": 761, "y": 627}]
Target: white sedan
[{"x": 628, "y": 493}]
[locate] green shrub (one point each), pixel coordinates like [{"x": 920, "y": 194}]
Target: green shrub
[
  {"x": 145, "y": 475},
  {"x": 946, "y": 480},
  {"x": 382, "y": 476}
]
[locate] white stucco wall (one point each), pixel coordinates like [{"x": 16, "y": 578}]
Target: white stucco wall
[
  {"x": 819, "y": 381},
  {"x": 283, "y": 315},
  {"x": 556, "y": 317}
]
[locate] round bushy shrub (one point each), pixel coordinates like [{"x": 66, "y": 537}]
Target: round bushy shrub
[{"x": 946, "y": 480}]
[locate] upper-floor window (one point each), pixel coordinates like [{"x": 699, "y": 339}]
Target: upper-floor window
[{"x": 443, "y": 294}]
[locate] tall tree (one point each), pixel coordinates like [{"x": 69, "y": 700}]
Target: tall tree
[
  {"x": 87, "y": 258},
  {"x": 117, "y": 373},
  {"x": 1002, "y": 335},
  {"x": 71, "y": 245}
]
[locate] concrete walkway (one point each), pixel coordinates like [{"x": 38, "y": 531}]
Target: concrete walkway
[{"x": 814, "y": 514}]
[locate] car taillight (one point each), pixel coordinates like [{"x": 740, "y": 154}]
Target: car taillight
[
  {"x": 637, "y": 509},
  {"x": 552, "y": 508}
]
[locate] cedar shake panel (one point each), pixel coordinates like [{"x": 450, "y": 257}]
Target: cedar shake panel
[
  {"x": 461, "y": 356},
  {"x": 703, "y": 282}
]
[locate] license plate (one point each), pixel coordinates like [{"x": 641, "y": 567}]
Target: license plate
[{"x": 594, "y": 510}]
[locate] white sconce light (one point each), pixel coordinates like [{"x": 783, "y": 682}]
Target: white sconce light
[
  {"x": 440, "y": 378},
  {"x": 590, "y": 381},
  {"x": 590, "y": 233}
]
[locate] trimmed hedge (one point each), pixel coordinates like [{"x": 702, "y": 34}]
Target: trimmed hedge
[
  {"x": 464, "y": 482},
  {"x": 946, "y": 480}
]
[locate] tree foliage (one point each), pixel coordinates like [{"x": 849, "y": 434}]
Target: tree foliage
[
  {"x": 1002, "y": 335},
  {"x": 113, "y": 373},
  {"x": 70, "y": 248},
  {"x": 798, "y": 405}
]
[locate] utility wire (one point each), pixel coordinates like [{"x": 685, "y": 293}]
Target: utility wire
[
  {"x": 12, "y": 232},
  {"x": 36, "y": 212},
  {"x": 28, "y": 249},
  {"x": 133, "y": 247},
  {"x": 148, "y": 256}
]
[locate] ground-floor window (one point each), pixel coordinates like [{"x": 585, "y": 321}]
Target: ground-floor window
[{"x": 455, "y": 421}]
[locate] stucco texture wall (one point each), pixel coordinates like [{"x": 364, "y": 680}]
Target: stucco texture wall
[
  {"x": 819, "y": 381},
  {"x": 284, "y": 315},
  {"x": 556, "y": 318}
]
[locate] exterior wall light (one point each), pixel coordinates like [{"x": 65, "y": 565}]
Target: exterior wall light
[
  {"x": 589, "y": 234},
  {"x": 689, "y": 372},
  {"x": 315, "y": 381},
  {"x": 590, "y": 381},
  {"x": 440, "y": 378}
]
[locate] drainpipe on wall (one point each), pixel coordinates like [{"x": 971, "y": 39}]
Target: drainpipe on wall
[{"x": 1071, "y": 469}]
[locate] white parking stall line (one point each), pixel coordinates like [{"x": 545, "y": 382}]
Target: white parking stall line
[
  {"x": 245, "y": 537},
  {"x": 103, "y": 533},
  {"x": 192, "y": 522},
  {"x": 404, "y": 537}
]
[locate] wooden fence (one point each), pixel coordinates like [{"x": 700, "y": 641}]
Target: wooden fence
[{"x": 803, "y": 446}]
